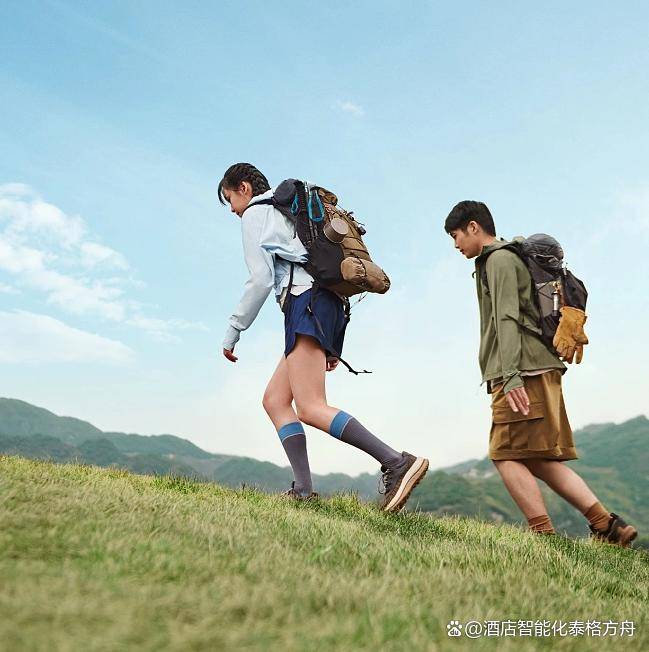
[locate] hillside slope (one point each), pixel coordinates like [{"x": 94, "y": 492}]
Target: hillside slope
[{"x": 97, "y": 559}]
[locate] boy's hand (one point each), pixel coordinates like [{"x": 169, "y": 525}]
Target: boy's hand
[
  {"x": 332, "y": 363},
  {"x": 230, "y": 355},
  {"x": 518, "y": 400}
]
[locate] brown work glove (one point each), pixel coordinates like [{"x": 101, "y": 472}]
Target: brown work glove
[{"x": 570, "y": 337}]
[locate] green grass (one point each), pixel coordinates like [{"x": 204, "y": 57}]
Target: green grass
[{"x": 94, "y": 559}]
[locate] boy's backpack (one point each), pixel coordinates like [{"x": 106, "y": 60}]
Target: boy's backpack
[
  {"x": 338, "y": 259},
  {"x": 553, "y": 285}
]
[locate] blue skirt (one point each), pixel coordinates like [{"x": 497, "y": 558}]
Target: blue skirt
[{"x": 329, "y": 310}]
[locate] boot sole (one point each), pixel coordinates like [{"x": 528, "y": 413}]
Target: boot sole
[{"x": 412, "y": 478}]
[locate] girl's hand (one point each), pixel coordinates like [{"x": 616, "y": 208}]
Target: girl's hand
[
  {"x": 230, "y": 355},
  {"x": 332, "y": 363}
]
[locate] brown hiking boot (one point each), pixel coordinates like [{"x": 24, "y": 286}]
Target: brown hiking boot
[
  {"x": 296, "y": 495},
  {"x": 400, "y": 479},
  {"x": 618, "y": 532}
]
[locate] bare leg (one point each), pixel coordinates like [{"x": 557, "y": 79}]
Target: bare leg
[
  {"x": 522, "y": 487},
  {"x": 277, "y": 402},
  {"x": 278, "y": 397},
  {"x": 306, "y": 365},
  {"x": 572, "y": 488},
  {"x": 306, "y": 370},
  {"x": 563, "y": 481}
]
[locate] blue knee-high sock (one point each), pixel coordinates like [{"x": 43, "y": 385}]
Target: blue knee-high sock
[
  {"x": 349, "y": 430},
  {"x": 294, "y": 442}
]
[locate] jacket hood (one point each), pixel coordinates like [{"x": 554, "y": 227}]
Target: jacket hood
[
  {"x": 264, "y": 195},
  {"x": 487, "y": 249},
  {"x": 496, "y": 244}
]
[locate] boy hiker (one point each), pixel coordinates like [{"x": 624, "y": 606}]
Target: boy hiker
[{"x": 530, "y": 434}]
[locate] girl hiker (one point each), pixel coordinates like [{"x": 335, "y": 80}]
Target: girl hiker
[
  {"x": 296, "y": 391},
  {"x": 530, "y": 434}
]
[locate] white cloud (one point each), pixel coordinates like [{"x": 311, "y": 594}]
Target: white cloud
[
  {"x": 162, "y": 329},
  {"x": 77, "y": 295},
  {"x": 27, "y": 337},
  {"x": 95, "y": 255},
  {"x": 15, "y": 189},
  {"x": 52, "y": 252},
  {"x": 350, "y": 107},
  {"x": 8, "y": 289},
  {"x": 18, "y": 259},
  {"x": 80, "y": 296},
  {"x": 28, "y": 216}
]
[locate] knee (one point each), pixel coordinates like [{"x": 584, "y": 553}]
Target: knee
[
  {"x": 308, "y": 413},
  {"x": 273, "y": 403}
]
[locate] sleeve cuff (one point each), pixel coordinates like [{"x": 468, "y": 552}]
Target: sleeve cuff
[
  {"x": 231, "y": 338},
  {"x": 513, "y": 382}
]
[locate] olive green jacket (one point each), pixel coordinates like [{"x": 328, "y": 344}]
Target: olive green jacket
[{"x": 509, "y": 332}]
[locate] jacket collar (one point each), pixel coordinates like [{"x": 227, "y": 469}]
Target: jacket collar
[{"x": 487, "y": 249}]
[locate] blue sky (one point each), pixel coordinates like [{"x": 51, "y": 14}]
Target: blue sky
[{"x": 118, "y": 267}]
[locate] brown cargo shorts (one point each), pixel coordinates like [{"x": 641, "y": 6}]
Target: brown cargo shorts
[{"x": 543, "y": 433}]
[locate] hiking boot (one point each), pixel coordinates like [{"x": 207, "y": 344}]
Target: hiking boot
[
  {"x": 296, "y": 495},
  {"x": 400, "y": 479},
  {"x": 618, "y": 532}
]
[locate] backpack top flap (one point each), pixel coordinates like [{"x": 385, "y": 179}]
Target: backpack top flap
[
  {"x": 286, "y": 198},
  {"x": 542, "y": 255},
  {"x": 545, "y": 261},
  {"x": 285, "y": 192},
  {"x": 545, "y": 251}
]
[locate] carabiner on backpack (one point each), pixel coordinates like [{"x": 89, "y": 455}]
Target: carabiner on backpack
[
  {"x": 295, "y": 206},
  {"x": 319, "y": 207}
]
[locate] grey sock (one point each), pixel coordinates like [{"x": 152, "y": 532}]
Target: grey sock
[
  {"x": 346, "y": 428},
  {"x": 294, "y": 443}
]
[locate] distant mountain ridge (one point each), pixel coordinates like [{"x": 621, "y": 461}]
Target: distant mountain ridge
[
  {"x": 35, "y": 432},
  {"x": 22, "y": 419},
  {"x": 613, "y": 459}
]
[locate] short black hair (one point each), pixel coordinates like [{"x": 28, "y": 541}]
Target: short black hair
[{"x": 470, "y": 211}]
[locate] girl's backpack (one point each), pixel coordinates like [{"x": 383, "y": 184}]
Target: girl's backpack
[
  {"x": 553, "y": 285},
  {"x": 338, "y": 259}
]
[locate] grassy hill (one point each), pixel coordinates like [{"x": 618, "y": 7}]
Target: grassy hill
[
  {"x": 100, "y": 559},
  {"x": 614, "y": 460}
]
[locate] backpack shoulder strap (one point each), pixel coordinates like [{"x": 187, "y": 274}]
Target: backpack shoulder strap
[
  {"x": 272, "y": 202},
  {"x": 261, "y": 202}
]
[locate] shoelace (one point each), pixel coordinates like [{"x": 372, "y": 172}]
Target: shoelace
[{"x": 384, "y": 481}]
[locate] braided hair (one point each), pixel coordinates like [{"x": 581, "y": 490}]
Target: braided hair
[{"x": 239, "y": 172}]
